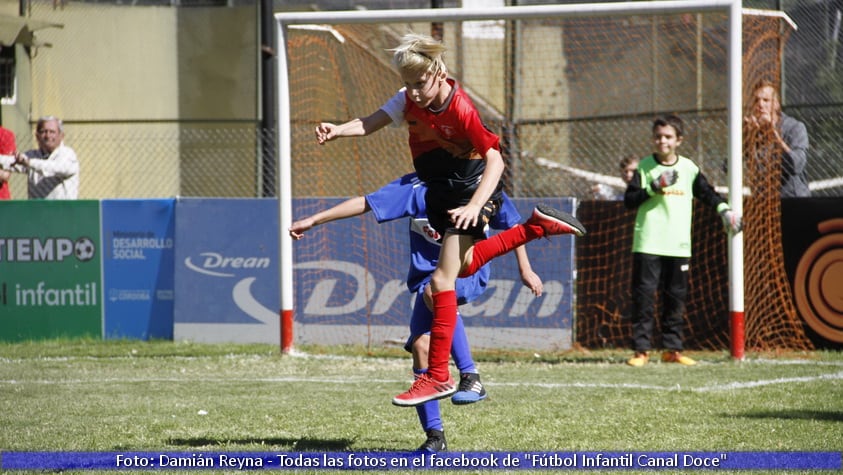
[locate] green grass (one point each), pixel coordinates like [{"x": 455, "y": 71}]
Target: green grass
[{"x": 188, "y": 397}]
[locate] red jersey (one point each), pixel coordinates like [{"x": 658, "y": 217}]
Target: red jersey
[
  {"x": 455, "y": 127},
  {"x": 7, "y": 147},
  {"x": 448, "y": 144},
  {"x": 449, "y": 148}
]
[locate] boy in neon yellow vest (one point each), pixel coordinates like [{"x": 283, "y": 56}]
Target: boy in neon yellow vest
[{"x": 662, "y": 190}]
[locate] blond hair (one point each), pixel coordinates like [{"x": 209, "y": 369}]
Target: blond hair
[
  {"x": 419, "y": 54},
  {"x": 777, "y": 105}
]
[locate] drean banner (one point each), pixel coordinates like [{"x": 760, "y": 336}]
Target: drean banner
[
  {"x": 350, "y": 285},
  {"x": 227, "y": 271}
]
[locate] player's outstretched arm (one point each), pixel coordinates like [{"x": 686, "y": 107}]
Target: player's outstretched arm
[
  {"x": 326, "y": 131},
  {"x": 528, "y": 277},
  {"x": 348, "y": 208}
]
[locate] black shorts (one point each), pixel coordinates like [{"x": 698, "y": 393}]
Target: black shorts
[
  {"x": 438, "y": 217},
  {"x": 451, "y": 183}
]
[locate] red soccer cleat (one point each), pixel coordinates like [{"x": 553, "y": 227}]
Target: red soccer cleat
[
  {"x": 554, "y": 222},
  {"x": 425, "y": 389}
]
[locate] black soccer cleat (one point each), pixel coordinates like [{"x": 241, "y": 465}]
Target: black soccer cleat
[
  {"x": 470, "y": 389},
  {"x": 435, "y": 442}
]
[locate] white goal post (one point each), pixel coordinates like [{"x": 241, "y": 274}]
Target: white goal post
[{"x": 730, "y": 7}]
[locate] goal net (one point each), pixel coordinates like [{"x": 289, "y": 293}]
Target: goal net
[{"x": 570, "y": 93}]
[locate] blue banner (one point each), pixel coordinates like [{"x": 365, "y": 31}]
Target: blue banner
[
  {"x": 138, "y": 251},
  {"x": 356, "y": 269},
  {"x": 404, "y": 461},
  {"x": 227, "y": 271}
]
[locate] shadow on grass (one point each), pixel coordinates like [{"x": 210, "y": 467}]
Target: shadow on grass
[
  {"x": 301, "y": 445},
  {"x": 834, "y": 416}
]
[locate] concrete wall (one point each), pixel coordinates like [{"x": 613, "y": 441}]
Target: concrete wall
[{"x": 125, "y": 78}]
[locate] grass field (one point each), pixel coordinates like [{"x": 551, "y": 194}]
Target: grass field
[{"x": 187, "y": 397}]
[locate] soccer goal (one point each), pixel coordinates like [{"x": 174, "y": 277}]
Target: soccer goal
[{"x": 570, "y": 89}]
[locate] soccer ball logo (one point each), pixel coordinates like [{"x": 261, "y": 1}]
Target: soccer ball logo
[{"x": 84, "y": 249}]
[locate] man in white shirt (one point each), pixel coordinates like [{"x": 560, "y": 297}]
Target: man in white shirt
[{"x": 52, "y": 168}]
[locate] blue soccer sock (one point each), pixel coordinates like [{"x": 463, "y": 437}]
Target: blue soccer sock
[
  {"x": 429, "y": 415},
  {"x": 460, "y": 350}
]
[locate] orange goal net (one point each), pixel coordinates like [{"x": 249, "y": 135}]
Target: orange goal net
[{"x": 570, "y": 95}]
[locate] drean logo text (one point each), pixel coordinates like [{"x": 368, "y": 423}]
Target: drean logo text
[{"x": 215, "y": 264}]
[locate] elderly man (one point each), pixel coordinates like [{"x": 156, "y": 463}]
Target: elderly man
[{"x": 52, "y": 169}]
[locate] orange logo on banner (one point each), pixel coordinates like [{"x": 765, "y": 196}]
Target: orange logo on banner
[{"x": 819, "y": 282}]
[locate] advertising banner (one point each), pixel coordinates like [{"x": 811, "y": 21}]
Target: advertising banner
[
  {"x": 50, "y": 269},
  {"x": 138, "y": 266},
  {"x": 349, "y": 279},
  {"x": 227, "y": 271},
  {"x": 812, "y": 237}
]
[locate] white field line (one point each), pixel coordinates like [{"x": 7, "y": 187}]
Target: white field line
[
  {"x": 755, "y": 384},
  {"x": 732, "y": 386},
  {"x": 293, "y": 354},
  {"x": 302, "y": 355}
]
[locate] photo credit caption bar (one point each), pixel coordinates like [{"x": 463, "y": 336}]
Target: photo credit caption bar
[{"x": 386, "y": 461}]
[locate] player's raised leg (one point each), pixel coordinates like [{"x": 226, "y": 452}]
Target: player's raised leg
[{"x": 545, "y": 221}]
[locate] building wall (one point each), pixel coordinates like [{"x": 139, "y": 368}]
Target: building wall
[{"x": 128, "y": 80}]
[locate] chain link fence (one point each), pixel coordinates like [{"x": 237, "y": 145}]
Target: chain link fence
[
  {"x": 704, "y": 142},
  {"x": 825, "y": 157},
  {"x": 228, "y": 160},
  {"x": 155, "y": 160},
  {"x": 219, "y": 157}
]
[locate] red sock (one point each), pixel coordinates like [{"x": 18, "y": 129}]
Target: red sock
[
  {"x": 500, "y": 244},
  {"x": 442, "y": 334}
]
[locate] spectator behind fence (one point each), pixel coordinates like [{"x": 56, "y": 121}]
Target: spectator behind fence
[
  {"x": 627, "y": 166},
  {"x": 52, "y": 169},
  {"x": 7, "y": 147},
  {"x": 782, "y": 136}
]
